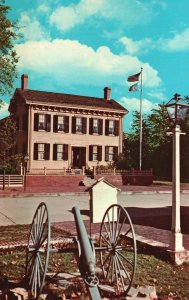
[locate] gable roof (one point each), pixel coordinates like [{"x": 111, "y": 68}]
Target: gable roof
[
  {"x": 105, "y": 181},
  {"x": 51, "y": 98}
]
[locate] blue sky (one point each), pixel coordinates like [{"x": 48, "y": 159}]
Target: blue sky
[{"x": 81, "y": 46}]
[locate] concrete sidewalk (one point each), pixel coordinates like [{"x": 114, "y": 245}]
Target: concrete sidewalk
[{"x": 57, "y": 190}]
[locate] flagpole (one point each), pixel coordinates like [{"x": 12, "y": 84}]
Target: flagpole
[{"x": 140, "y": 146}]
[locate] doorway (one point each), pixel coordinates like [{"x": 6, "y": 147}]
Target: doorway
[{"x": 78, "y": 157}]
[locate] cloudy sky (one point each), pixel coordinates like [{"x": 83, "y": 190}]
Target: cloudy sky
[{"x": 81, "y": 46}]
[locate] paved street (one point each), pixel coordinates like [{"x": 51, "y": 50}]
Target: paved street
[{"x": 20, "y": 210}]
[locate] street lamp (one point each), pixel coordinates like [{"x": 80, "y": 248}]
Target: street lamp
[
  {"x": 26, "y": 159},
  {"x": 177, "y": 109}
]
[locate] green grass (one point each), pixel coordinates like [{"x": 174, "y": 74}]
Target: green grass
[
  {"x": 13, "y": 233},
  {"x": 153, "y": 267}
]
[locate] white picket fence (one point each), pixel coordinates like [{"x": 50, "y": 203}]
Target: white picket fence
[{"x": 12, "y": 180}]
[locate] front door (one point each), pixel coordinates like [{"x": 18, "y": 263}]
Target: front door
[{"x": 78, "y": 157}]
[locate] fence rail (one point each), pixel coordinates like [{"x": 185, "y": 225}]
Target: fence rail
[
  {"x": 131, "y": 172},
  {"x": 11, "y": 180}
]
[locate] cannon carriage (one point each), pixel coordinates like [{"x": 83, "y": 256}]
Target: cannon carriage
[{"x": 115, "y": 247}]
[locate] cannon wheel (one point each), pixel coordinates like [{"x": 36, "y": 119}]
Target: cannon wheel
[
  {"x": 37, "y": 255},
  {"x": 118, "y": 259}
]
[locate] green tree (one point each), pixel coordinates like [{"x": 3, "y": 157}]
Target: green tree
[
  {"x": 8, "y": 56},
  {"x": 159, "y": 144},
  {"x": 9, "y": 161},
  {"x": 156, "y": 145},
  {"x": 132, "y": 142}
]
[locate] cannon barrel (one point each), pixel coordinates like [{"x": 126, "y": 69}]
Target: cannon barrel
[{"x": 87, "y": 257}]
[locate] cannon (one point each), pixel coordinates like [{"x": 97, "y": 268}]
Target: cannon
[{"x": 116, "y": 246}]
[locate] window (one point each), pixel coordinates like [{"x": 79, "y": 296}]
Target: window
[
  {"x": 112, "y": 127},
  {"x": 111, "y": 153},
  {"x": 42, "y": 122},
  {"x": 95, "y": 153},
  {"x": 41, "y": 151},
  {"x": 60, "y": 152},
  {"x": 95, "y": 126},
  {"x": 61, "y": 123},
  {"x": 79, "y": 125}
]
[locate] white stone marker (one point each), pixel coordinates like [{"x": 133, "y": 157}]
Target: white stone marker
[{"x": 102, "y": 195}]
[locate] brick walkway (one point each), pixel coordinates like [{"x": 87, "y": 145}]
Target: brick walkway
[{"x": 146, "y": 234}]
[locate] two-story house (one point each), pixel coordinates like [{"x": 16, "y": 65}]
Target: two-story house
[{"x": 60, "y": 131}]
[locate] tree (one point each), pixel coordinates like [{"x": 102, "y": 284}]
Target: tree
[
  {"x": 9, "y": 161},
  {"x": 158, "y": 143},
  {"x": 8, "y": 56},
  {"x": 156, "y": 146},
  {"x": 132, "y": 142}
]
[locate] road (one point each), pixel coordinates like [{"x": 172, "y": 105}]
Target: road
[{"x": 20, "y": 210}]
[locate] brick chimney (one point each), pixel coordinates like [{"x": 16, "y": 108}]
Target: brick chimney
[
  {"x": 24, "y": 82},
  {"x": 107, "y": 92}
]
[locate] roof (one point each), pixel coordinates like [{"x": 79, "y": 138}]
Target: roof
[
  {"x": 105, "y": 181},
  {"x": 51, "y": 98}
]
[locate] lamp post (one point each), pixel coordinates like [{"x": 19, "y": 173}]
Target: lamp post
[
  {"x": 26, "y": 159},
  {"x": 177, "y": 110}
]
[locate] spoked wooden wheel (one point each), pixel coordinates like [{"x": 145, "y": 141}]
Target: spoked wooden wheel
[
  {"x": 37, "y": 255},
  {"x": 118, "y": 259}
]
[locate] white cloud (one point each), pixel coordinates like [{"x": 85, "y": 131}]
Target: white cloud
[
  {"x": 70, "y": 61},
  {"x": 133, "y": 104},
  {"x": 4, "y": 110},
  {"x": 180, "y": 42},
  {"x": 158, "y": 95},
  {"x": 31, "y": 29},
  {"x": 43, "y": 8},
  {"x": 137, "y": 47},
  {"x": 127, "y": 12},
  {"x": 66, "y": 17}
]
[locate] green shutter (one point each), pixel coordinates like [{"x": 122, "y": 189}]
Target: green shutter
[
  {"x": 35, "y": 153},
  {"x": 106, "y": 127},
  {"x": 100, "y": 126},
  {"x": 99, "y": 153},
  {"x": 73, "y": 124},
  {"x": 66, "y": 124},
  {"x": 36, "y": 121},
  {"x": 106, "y": 152},
  {"x": 116, "y": 128},
  {"x": 65, "y": 153},
  {"x": 115, "y": 153},
  {"x": 84, "y": 125},
  {"x": 48, "y": 122},
  {"x": 47, "y": 151},
  {"x": 90, "y": 153},
  {"x": 91, "y": 126},
  {"x": 54, "y": 151},
  {"x": 55, "y": 123}
]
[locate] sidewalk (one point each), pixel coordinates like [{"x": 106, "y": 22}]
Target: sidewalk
[{"x": 57, "y": 190}]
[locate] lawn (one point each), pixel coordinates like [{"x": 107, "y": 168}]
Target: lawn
[{"x": 153, "y": 268}]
